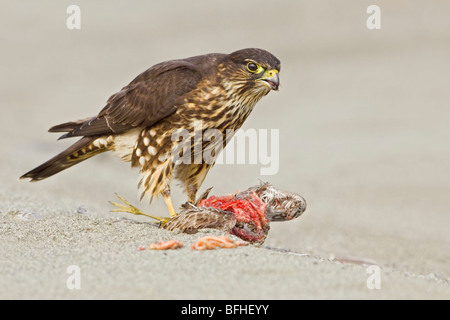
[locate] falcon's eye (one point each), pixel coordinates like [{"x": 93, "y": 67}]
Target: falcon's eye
[{"x": 254, "y": 68}]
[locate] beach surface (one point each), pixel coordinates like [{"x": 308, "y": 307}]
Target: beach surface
[{"x": 363, "y": 122}]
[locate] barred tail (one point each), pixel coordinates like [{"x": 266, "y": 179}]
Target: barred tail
[{"x": 81, "y": 150}]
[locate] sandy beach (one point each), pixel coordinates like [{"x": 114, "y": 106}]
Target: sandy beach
[{"x": 363, "y": 120}]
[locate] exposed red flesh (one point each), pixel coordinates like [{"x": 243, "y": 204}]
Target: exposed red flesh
[{"x": 252, "y": 224}]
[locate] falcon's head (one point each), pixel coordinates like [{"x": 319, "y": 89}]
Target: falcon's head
[{"x": 251, "y": 73}]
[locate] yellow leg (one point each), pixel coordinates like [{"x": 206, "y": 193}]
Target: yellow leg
[
  {"x": 169, "y": 204},
  {"x": 129, "y": 208}
]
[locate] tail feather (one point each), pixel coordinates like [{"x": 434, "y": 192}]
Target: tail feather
[
  {"x": 81, "y": 150},
  {"x": 68, "y": 126}
]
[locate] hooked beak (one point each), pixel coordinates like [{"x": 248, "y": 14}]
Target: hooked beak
[{"x": 271, "y": 79}]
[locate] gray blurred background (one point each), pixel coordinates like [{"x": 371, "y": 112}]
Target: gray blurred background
[{"x": 363, "y": 114}]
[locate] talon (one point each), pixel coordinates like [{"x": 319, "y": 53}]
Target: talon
[{"x": 129, "y": 208}]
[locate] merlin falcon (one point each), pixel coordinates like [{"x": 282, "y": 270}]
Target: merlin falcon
[{"x": 138, "y": 123}]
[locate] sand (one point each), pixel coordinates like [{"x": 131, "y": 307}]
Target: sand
[{"x": 363, "y": 125}]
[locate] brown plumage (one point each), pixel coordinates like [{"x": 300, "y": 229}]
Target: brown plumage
[{"x": 139, "y": 121}]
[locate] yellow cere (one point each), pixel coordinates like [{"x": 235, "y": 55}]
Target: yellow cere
[{"x": 270, "y": 73}]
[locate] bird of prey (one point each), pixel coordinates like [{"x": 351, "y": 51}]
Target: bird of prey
[{"x": 138, "y": 123}]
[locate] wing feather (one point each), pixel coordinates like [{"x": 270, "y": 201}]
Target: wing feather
[
  {"x": 150, "y": 97},
  {"x": 192, "y": 219}
]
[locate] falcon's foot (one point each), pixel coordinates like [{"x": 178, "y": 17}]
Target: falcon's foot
[{"x": 129, "y": 208}]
